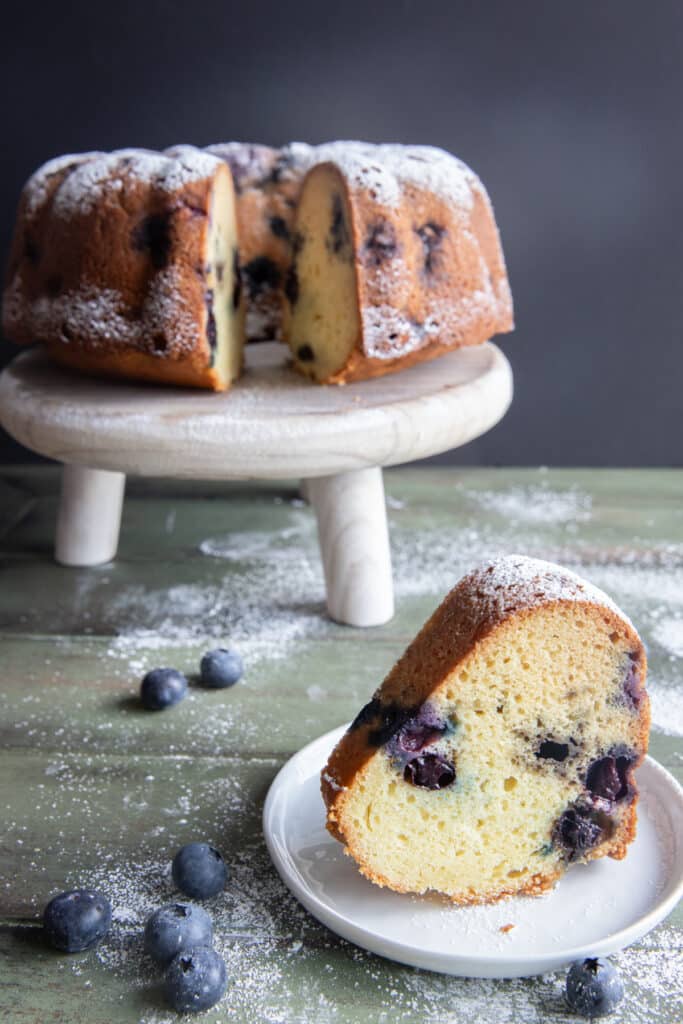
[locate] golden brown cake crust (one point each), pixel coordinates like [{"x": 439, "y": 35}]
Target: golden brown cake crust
[
  {"x": 107, "y": 263},
  {"x": 487, "y": 600}
]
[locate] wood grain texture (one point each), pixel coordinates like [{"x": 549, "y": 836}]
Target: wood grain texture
[
  {"x": 89, "y": 516},
  {"x": 272, "y": 424},
  {"x": 354, "y": 544},
  {"x": 89, "y": 782}
]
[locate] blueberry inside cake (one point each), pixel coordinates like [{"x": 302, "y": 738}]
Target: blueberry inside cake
[{"x": 501, "y": 749}]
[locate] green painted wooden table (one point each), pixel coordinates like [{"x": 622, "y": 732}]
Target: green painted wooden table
[{"x": 95, "y": 791}]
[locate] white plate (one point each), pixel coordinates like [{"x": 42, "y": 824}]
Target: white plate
[{"x": 596, "y": 909}]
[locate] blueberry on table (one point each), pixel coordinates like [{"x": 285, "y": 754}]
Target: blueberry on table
[
  {"x": 199, "y": 871},
  {"x": 175, "y": 927},
  {"x": 221, "y": 668},
  {"x": 162, "y": 688},
  {"x": 76, "y": 920},
  {"x": 594, "y": 988},
  {"x": 195, "y": 980}
]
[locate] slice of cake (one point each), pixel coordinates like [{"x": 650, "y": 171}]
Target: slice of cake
[
  {"x": 127, "y": 263},
  {"x": 502, "y": 746},
  {"x": 396, "y": 259}
]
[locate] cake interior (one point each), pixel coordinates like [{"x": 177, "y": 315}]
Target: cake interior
[
  {"x": 520, "y": 762},
  {"x": 322, "y": 323},
  {"x": 224, "y": 300}
]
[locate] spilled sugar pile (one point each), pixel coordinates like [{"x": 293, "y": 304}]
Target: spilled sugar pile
[{"x": 535, "y": 504}]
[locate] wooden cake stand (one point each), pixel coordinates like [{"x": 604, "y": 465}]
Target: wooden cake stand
[{"x": 272, "y": 424}]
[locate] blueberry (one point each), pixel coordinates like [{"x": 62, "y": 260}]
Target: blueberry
[
  {"x": 549, "y": 749},
  {"x": 594, "y": 987},
  {"x": 368, "y": 713},
  {"x": 425, "y": 727},
  {"x": 577, "y": 830},
  {"x": 279, "y": 227},
  {"x": 634, "y": 683},
  {"x": 211, "y": 329},
  {"x": 391, "y": 718},
  {"x": 195, "y": 980},
  {"x": 387, "y": 719},
  {"x": 380, "y": 244},
  {"x": 608, "y": 777},
  {"x": 77, "y": 919},
  {"x": 221, "y": 668},
  {"x": 261, "y": 273},
  {"x": 305, "y": 354},
  {"x": 176, "y": 927},
  {"x": 199, "y": 871},
  {"x": 430, "y": 771},
  {"x": 237, "y": 280},
  {"x": 161, "y": 688},
  {"x": 431, "y": 236},
  {"x": 339, "y": 238},
  {"x": 292, "y": 285},
  {"x": 153, "y": 235}
]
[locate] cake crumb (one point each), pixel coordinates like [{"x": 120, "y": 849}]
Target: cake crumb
[{"x": 507, "y": 928}]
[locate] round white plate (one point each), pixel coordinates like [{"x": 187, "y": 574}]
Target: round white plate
[{"x": 596, "y": 909}]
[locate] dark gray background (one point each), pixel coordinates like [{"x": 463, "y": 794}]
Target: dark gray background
[{"x": 570, "y": 112}]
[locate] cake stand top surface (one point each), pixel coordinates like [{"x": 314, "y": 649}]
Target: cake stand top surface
[{"x": 272, "y": 423}]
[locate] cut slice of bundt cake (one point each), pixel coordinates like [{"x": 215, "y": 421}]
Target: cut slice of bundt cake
[
  {"x": 396, "y": 259},
  {"x": 502, "y": 746},
  {"x": 126, "y": 263}
]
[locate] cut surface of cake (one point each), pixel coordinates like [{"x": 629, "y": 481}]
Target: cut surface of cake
[
  {"x": 267, "y": 186},
  {"x": 126, "y": 263},
  {"x": 501, "y": 748},
  {"x": 396, "y": 259}
]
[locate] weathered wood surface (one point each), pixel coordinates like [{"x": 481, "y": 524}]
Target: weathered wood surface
[{"x": 95, "y": 791}]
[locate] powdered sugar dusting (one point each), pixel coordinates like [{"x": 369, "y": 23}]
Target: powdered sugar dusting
[
  {"x": 669, "y": 633},
  {"x": 534, "y": 504},
  {"x": 108, "y": 173},
  {"x": 385, "y": 170},
  {"x": 389, "y": 333},
  {"x": 517, "y": 580},
  {"x": 37, "y": 188},
  {"x": 278, "y": 957},
  {"x": 277, "y": 605},
  {"x": 98, "y": 315}
]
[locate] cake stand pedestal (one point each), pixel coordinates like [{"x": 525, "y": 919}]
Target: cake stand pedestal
[{"x": 272, "y": 424}]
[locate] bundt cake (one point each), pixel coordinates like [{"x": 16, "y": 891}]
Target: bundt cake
[
  {"x": 364, "y": 258},
  {"x": 502, "y": 746},
  {"x": 396, "y": 259},
  {"x": 126, "y": 263}
]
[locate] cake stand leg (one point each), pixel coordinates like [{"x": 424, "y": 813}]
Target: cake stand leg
[
  {"x": 354, "y": 544},
  {"x": 89, "y": 515}
]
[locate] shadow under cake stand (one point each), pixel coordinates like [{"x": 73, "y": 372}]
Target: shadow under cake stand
[{"x": 272, "y": 424}]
